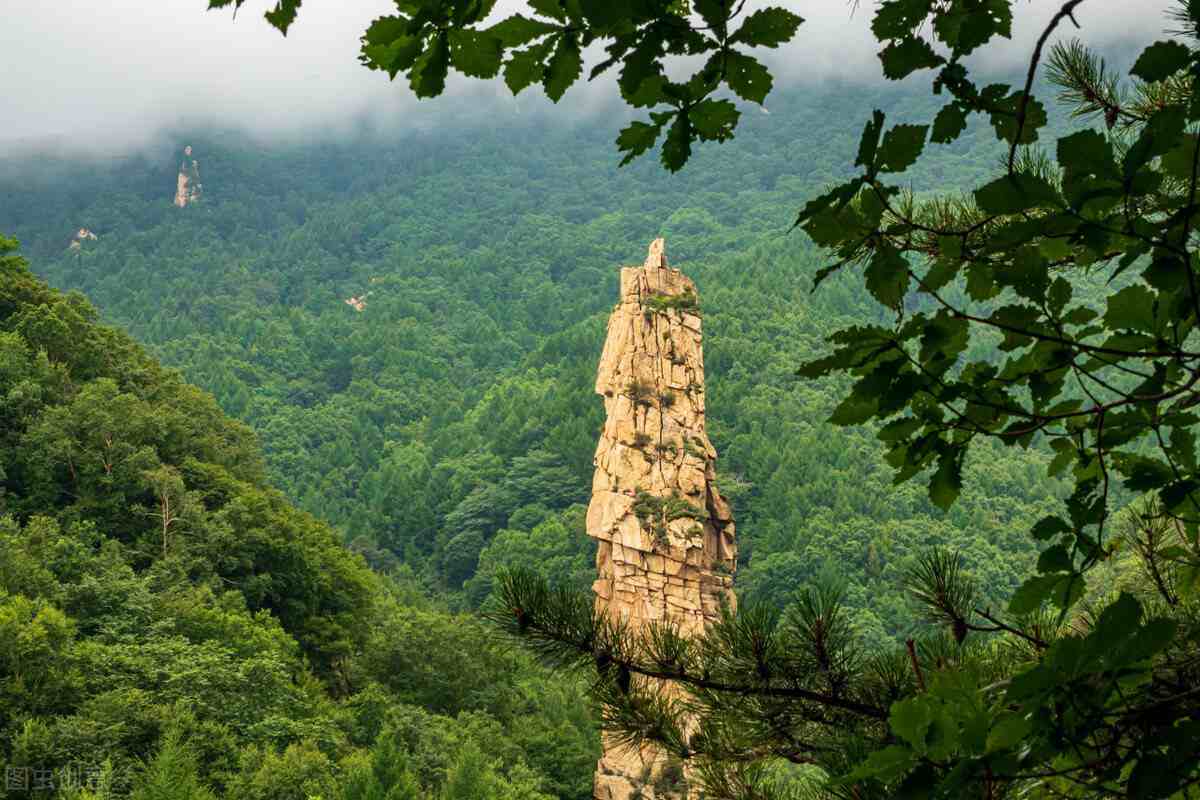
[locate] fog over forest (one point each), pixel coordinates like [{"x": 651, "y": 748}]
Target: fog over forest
[
  {"x": 105, "y": 78},
  {"x": 750, "y": 424}
]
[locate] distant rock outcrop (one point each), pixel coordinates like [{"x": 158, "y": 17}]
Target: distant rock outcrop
[
  {"x": 82, "y": 235},
  {"x": 187, "y": 185},
  {"x": 667, "y": 549}
]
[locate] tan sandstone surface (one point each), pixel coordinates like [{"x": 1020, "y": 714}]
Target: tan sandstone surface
[{"x": 667, "y": 549}]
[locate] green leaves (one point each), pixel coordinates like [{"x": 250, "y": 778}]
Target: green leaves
[
  {"x": 395, "y": 57},
  {"x": 388, "y": 47},
  {"x": 901, "y": 147},
  {"x": 911, "y": 720},
  {"x": 714, "y": 120},
  {"x": 949, "y": 123},
  {"x": 887, "y": 764},
  {"x": 1180, "y": 161},
  {"x": 767, "y": 27},
  {"x": 1055, "y": 559},
  {"x": 747, "y": 77},
  {"x": 474, "y": 53},
  {"x": 715, "y": 14},
  {"x": 1049, "y": 527},
  {"x": 526, "y": 67},
  {"x": 1142, "y": 473},
  {"x": 678, "y": 145},
  {"x": 519, "y": 30},
  {"x": 869, "y": 142},
  {"x": 946, "y": 481},
  {"x": 708, "y": 120},
  {"x": 280, "y": 16},
  {"x": 1012, "y": 194},
  {"x": 943, "y": 339},
  {"x": 549, "y": 8},
  {"x": 1132, "y": 308},
  {"x": 427, "y": 39},
  {"x": 1168, "y": 762},
  {"x": 1123, "y": 635},
  {"x": 967, "y": 26},
  {"x": 637, "y": 139},
  {"x": 1009, "y": 731},
  {"x": 1060, "y": 589},
  {"x": 887, "y": 275},
  {"x": 1092, "y": 672},
  {"x": 961, "y": 26},
  {"x": 283, "y": 14},
  {"x": 1086, "y": 152},
  {"x": 902, "y": 58},
  {"x": 564, "y": 67},
  {"x": 1163, "y": 132},
  {"x": 1010, "y": 126},
  {"x": 1160, "y": 61},
  {"x": 896, "y": 18},
  {"x": 427, "y": 76},
  {"x": 430, "y": 37}
]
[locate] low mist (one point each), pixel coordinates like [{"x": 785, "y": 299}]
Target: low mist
[{"x": 85, "y": 78}]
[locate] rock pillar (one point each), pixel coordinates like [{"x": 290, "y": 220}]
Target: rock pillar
[
  {"x": 666, "y": 537},
  {"x": 187, "y": 183}
]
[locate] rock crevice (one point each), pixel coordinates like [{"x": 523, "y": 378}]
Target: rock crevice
[{"x": 666, "y": 544}]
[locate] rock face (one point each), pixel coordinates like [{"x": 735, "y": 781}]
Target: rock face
[
  {"x": 187, "y": 185},
  {"x": 666, "y": 537},
  {"x": 82, "y": 235}
]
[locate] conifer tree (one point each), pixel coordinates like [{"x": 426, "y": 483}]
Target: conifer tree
[{"x": 172, "y": 775}]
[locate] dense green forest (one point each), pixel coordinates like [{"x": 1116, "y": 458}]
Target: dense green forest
[
  {"x": 296, "y": 435},
  {"x": 174, "y": 627},
  {"x": 183, "y": 623},
  {"x": 449, "y": 426}
]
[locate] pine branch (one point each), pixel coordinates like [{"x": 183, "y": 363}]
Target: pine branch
[{"x": 553, "y": 622}]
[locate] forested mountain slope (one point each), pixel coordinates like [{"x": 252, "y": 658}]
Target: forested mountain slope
[
  {"x": 449, "y": 425},
  {"x": 172, "y": 626}
]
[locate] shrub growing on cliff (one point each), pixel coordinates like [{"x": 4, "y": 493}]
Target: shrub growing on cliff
[
  {"x": 640, "y": 392},
  {"x": 659, "y": 303},
  {"x": 657, "y": 513}
]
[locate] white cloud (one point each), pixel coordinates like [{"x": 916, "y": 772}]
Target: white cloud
[{"x": 109, "y": 76}]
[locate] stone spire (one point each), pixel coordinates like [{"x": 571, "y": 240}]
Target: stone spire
[
  {"x": 187, "y": 183},
  {"x": 666, "y": 537}
]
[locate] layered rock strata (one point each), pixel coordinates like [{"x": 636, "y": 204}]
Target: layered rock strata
[{"x": 666, "y": 537}]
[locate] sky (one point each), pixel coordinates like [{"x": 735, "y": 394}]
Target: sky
[{"x": 110, "y": 77}]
